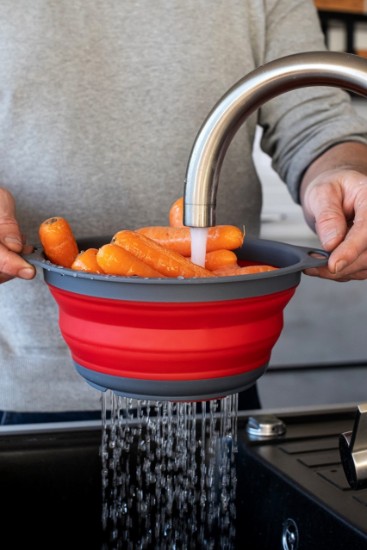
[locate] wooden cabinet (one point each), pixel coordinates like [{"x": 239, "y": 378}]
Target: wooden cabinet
[
  {"x": 349, "y": 13},
  {"x": 348, "y": 6}
]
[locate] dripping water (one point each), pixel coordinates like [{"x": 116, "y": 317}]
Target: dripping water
[{"x": 168, "y": 473}]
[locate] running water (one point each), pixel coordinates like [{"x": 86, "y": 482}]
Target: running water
[
  {"x": 199, "y": 236},
  {"x": 168, "y": 474}
]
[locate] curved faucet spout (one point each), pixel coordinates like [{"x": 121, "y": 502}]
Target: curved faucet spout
[{"x": 282, "y": 75}]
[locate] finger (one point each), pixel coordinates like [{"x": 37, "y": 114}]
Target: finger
[
  {"x": 27, "y": 249},
  {"x": 354, "y": 246},
  {"x": 10, "y": 234},
  {"x": 316, "y": 272},
  {"x": 354, "y": 272},
  {"x": 13, "y": 265}
]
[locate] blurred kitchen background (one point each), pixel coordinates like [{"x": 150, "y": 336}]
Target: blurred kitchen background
[{"x": 325, "y": 324}]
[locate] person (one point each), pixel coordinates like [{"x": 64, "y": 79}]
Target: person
[{"x": 99, "y": 107}]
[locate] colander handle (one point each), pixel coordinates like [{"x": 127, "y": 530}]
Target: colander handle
[{"x": 308, "y": 260}]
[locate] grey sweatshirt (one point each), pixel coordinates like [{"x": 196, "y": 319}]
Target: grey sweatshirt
[{"x": 100, "y": 103}]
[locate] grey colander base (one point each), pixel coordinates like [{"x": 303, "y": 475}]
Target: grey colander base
[{"x": 161, "y": 390}]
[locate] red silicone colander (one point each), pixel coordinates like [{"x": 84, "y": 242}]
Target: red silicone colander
[{"x": 176, "y": 339}]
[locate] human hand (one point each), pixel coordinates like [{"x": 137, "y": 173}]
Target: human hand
[
  {"x": 335, "y": 206},
  {"x": 12, "y": 243}
]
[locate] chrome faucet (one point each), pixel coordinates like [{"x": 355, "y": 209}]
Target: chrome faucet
[{"x": 274, "y": 78}]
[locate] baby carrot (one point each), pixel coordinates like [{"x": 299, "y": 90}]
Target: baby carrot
[
  {"x": 86, "y": 261},
  {"x": 115, "y": 260},
  {"x": 217, "y": 259},
  {"x": 176, "y": 213},
  {"x": 243, "y": 270},
  {"x": 229, "y": 237},
  {"x": 58, "y": 241},
  {"x": 168, "y": 262}
]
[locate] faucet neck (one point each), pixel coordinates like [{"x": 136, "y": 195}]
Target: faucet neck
[{"x": 239, "y": 102}]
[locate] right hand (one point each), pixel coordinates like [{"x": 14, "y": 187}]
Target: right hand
[{"x": 12, "y": 243}]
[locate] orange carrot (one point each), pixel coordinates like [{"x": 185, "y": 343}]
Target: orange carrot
[
  {"x": 176, "y": 213},
  {"x": 86, "y": 261},
  {"x": 217, "y": 259},
  {"x": 58, "y": 241},
  {"x": 167, "y": 262},
  {"x": 179, "y": 238},
  {"x": 115, "y": 260},
  {"x": 243, "y": 270}
]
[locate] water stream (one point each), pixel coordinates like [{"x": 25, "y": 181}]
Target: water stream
[
  {"x": 168, "y": 474},
  {"x": 199, "y": 237}
]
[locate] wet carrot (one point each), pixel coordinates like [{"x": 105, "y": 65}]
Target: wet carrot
[
  {"x": 115, "y": 260},
  {"x": 58, "y": 241},
  {"x": 86, "y": 261},
  {"x": 178, "y": 239},
  {"x": 168, "y": 262},
  {"x": 217, "y": 259},
  {"x": 175, "y": 216},
  {"x": 243, "y": 270}
]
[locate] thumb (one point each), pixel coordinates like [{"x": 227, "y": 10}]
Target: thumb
[
  {"x": 10, "y": 234},
  {"x": 331, "y": 228},
  {"x": 323, "y": 211}
]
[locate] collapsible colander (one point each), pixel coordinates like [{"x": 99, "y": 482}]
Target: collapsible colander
[{"x": 176, "y": 339}]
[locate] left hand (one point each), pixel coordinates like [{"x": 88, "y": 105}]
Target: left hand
[{"x": 334, "y": 202}]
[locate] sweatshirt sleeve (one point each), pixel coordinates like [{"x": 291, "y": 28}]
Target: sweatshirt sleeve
[{"x": 298, "y": 126}]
